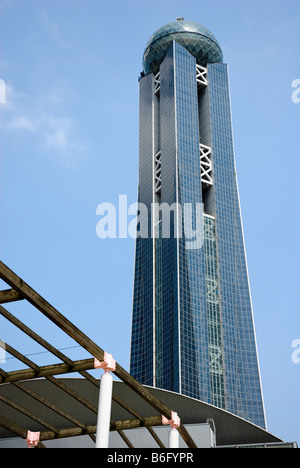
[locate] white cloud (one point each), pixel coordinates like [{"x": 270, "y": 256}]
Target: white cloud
[
  {"x": 41, "y": 117},
  {"x": 21, "y": 123},
  {"x": 57, "y": 139},
  {"x": 52, "y": 28},
  {"x": 60, "y": 135}
]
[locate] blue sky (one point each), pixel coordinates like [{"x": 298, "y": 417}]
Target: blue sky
[{"x": 69, "y": 141}]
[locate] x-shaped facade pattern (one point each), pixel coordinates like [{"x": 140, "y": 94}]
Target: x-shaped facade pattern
[
  {"x": 157, "y": 161},
  {"x": 206, "y": 165}
]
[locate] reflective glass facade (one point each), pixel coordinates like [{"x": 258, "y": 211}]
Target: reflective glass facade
[{"x": 192, "y": 326}]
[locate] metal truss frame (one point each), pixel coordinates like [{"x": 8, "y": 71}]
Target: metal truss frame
[
  {"x": 157, "y": 164},
  {"x": 206, "y": 165},
  {"x": 201, "y": 75},
  {"x": 21, "y": 291},
  {"x": 157, "y": 83}
]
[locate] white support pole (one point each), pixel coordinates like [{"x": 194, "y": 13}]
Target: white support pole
[
  {"x": 105, "y": 398},
  {"x": 173, "y": 438},
  {"x": 174, "y": 422},
  {"x": 104, "y": 410}
]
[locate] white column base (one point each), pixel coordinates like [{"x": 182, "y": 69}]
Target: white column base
[
  {"x": 104, "y": 411},
  {"x": 174, "y": 438}
]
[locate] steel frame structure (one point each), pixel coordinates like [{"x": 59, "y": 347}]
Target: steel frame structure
[{"x": 21, "y": 291}]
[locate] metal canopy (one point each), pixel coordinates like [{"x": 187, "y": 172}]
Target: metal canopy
[{"x": 35, "y": 399}]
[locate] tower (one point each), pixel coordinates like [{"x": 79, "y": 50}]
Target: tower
[{"x": 192, "y": 324}]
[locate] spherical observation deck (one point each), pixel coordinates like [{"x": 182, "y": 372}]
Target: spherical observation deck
[{"x": 197, "y": 39}]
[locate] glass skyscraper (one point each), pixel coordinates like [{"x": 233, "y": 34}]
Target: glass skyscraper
[{"x": 192, "y": 324}]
